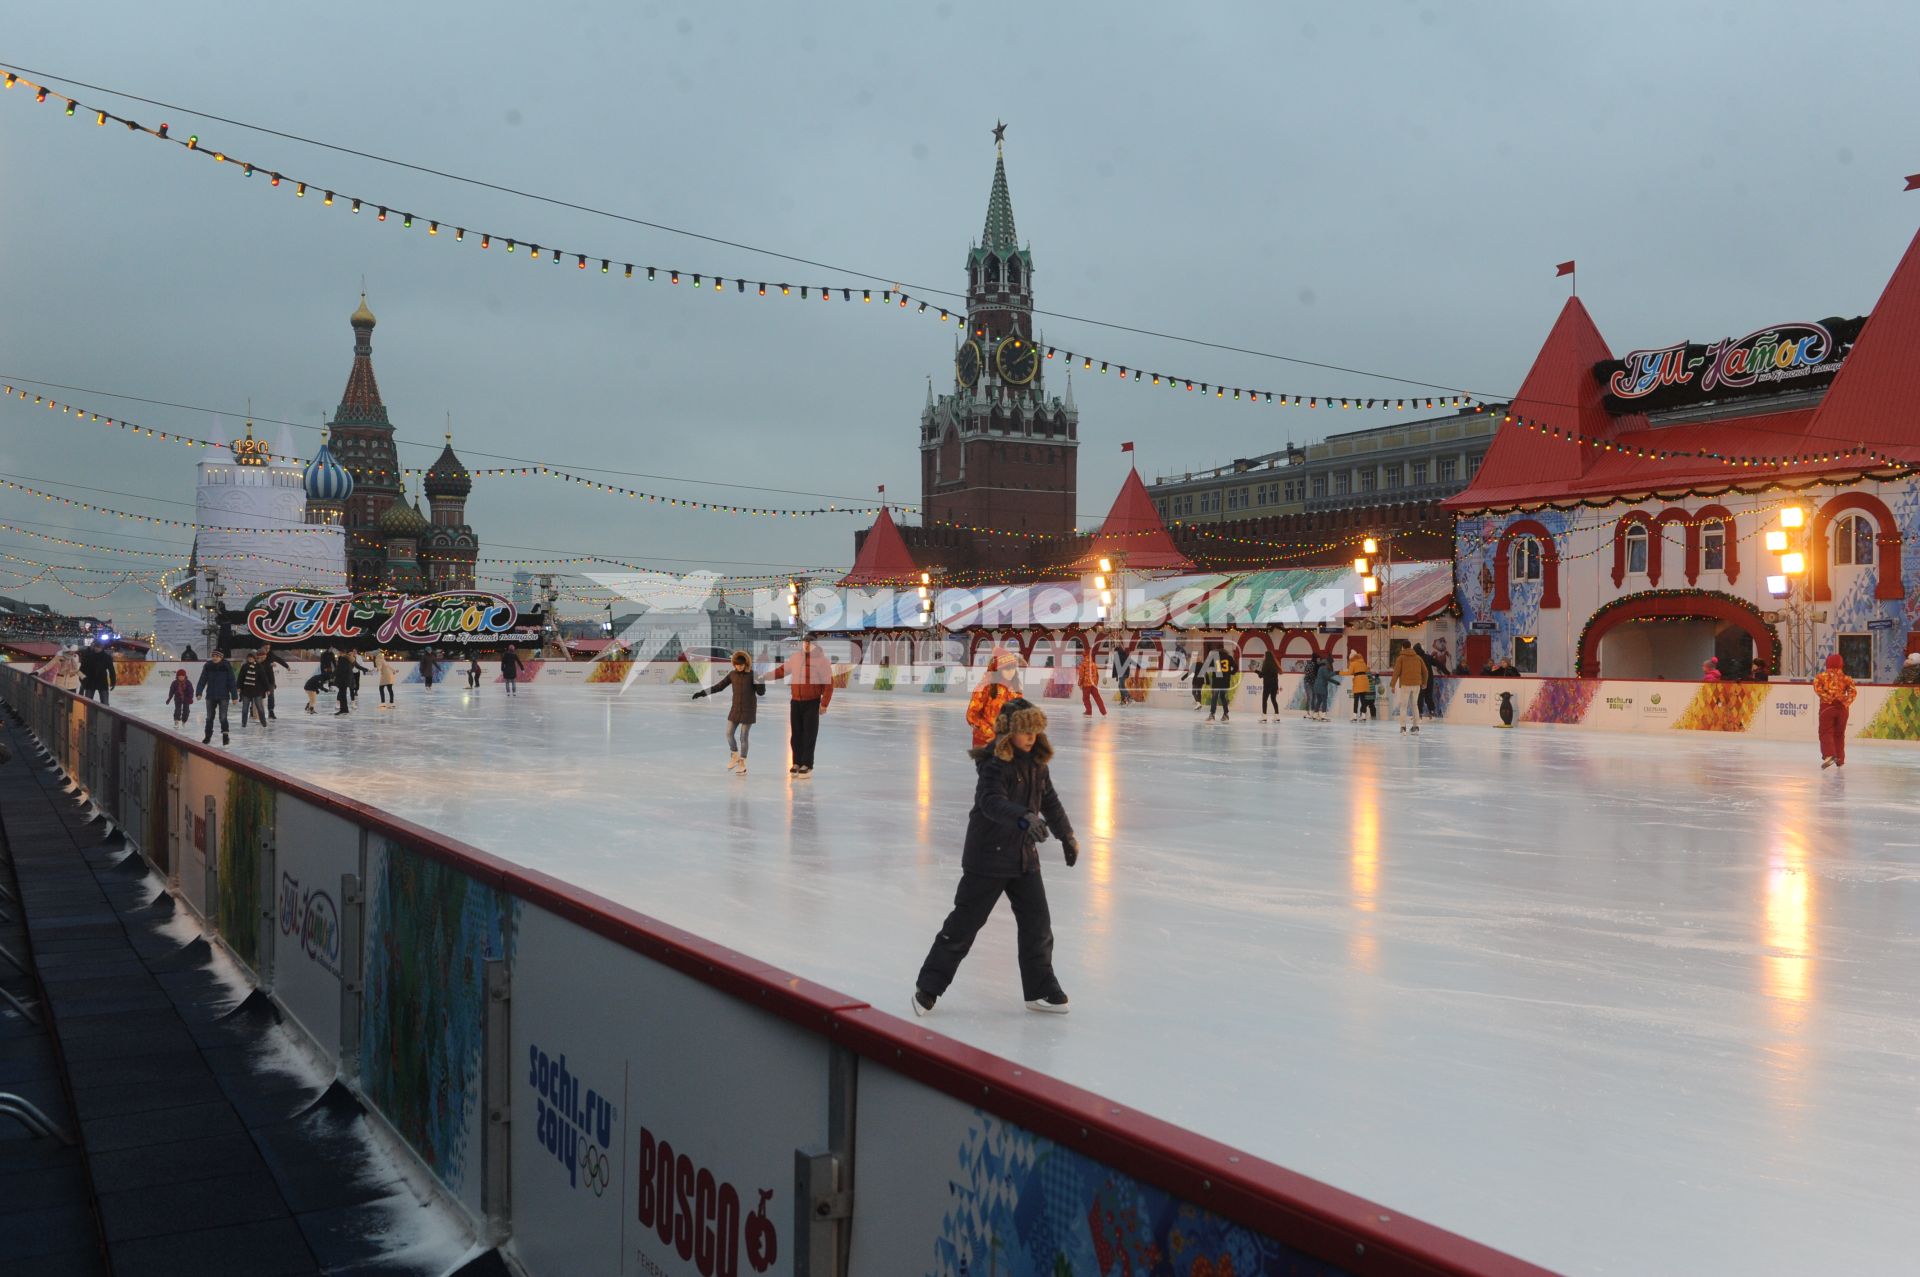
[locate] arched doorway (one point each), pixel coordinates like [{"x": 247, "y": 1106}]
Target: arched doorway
[{"x": 1672, "y": 635}]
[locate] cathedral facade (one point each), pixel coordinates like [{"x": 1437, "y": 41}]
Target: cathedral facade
[{"x": 390, "y": 544}]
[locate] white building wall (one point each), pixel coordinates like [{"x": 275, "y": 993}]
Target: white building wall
[
  {"x": 265, "y": 502},
  {"x": 1584, "y": 539}
]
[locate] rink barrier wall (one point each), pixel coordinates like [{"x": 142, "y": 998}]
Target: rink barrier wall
[
  {"x": 605, "y": 1092},
  {"x": 1785, "y": 711}
]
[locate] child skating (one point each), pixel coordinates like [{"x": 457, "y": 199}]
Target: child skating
[
  {"x": 1835, "y": 692},
  {"x": 180, "y": 696},
  {"x": 1014, "y": 810},
  {"x": 744, "y": 712}
]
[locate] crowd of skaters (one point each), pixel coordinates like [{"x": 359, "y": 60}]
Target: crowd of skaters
[{"x": 251, "y": 681}]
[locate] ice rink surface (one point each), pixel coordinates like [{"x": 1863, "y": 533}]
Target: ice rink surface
[{"x": 1616, "y": 1004}]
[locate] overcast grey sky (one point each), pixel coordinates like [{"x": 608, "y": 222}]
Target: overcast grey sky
[{"x": 1381, "y": 185}]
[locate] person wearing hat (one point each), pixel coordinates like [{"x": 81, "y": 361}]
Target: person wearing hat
[
  {"x": 809, "y": 675},
  {"x": 1909, "y": 670},
  {"x": 1000, "y": 685},
  {"x": 1014, "y": 810},
  {"x": 1836, "y": 692}
]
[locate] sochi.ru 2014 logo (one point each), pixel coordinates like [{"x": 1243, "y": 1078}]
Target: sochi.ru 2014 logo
[
  {"x": 572, "y": 1122},
  {"x": 698, "y": 1214}
]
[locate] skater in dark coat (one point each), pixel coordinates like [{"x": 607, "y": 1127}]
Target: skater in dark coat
[
  {"x": 215, "y": 686},
  {"x": 97, "y": 676},
  {"x": 180, "y": 696},
  {"x": 274, "y": 658},
  {"x": 1269, "y": 686},
  {"x": 744, "y": 711},
  {"x": 1220, "y": 686},
  {"x": 1014, "y": 810},
  {"x": 510, "y": 663}
]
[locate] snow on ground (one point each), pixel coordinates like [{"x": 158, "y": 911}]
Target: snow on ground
[{"x": 1618, "y": 1004}]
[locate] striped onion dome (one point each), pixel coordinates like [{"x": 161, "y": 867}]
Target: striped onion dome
[{"x": 326, "y": 479}]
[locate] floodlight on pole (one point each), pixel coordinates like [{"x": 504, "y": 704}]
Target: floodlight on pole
[
  {"x": 1776, "y": 541},
  {"x": 1793, "y": 564},
  {"x": 1360, "y": 567},
  {"x": 1106, "y": 565},
  {"x": 1370, "y": 546},
  {"x": 1792, "y": 517},
  {"x": 1777, "y": 586},
  {"x": 1370, "y": 584}
]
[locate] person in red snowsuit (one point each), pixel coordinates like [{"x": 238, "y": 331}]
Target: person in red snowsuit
[
  {"x": 1836, "y": 692},
  {"x": 1088, "y": 677}
]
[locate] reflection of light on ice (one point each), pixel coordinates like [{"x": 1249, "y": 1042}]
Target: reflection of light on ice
[{"x": 1363, "y": 873}]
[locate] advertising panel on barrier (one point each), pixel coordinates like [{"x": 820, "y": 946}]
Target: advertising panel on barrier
[
  {"x": 660, "y": 1142},
  {"x": 946, "y": 1188},
  {"x": 312, "y": 849},
  {"x": 430, "y": 931},
  {"x": 201, "y": 779}
]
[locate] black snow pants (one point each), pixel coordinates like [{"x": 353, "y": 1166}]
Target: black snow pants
[{"x": 973, "y": 902}]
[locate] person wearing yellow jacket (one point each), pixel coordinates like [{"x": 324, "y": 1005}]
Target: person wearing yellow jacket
[
  {"x": 1409, "y": 676},
  {"x": 1360, "y": 683}
]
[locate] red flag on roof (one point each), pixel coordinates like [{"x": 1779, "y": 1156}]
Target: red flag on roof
[
  {"x": 1127, "y": 446},
  {"x": 1913, "y": 182},
  {"x": 1135, "y": 532},
  {"x": 1564, "y": 268}
]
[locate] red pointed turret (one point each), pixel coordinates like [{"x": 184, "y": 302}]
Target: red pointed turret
[
  {"x": 1871, "y": 399},
  {"x": 883, "y": 557},
  {"x": 1560, "y": 393},
  {"x": 1135, "y": 534}
]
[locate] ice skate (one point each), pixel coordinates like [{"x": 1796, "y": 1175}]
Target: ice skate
[
  {"x": 742, "y": 767},
  {"x": 733, "y": 761},
  {"x": 1054, "y": 1003},
  {"x": 1825, "y": 763},
  {"x": 923, "y": 1002}
]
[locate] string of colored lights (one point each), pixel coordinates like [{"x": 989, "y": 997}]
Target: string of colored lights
[
  {"x": 854, "y": 272},
  {"x": 1641, "y": 451},
  {"x": 715, "y": 284},
  {"x": 678, "y": 502}
]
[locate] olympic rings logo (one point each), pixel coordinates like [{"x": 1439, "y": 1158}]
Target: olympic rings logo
[{"x": 597, "y": 1166}]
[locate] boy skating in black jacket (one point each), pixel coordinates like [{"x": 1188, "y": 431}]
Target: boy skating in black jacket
[{"x": 1014, "y": 810}]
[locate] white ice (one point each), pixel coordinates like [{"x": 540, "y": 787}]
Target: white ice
[{"x": 1616, "y": 1004}]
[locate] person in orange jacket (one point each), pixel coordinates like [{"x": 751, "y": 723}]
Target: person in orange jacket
[
  {"x": 1836, "y": 692},
  {"x": 1000, "y": 685},
  {"x": 809, "y": 675},
  {"x": 1088, "y": 677}
]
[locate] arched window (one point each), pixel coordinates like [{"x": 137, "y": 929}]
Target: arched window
[
  {"x": 973, "y": 274},
  {"x": 1013, "y": 271},
  {"x": 1853, "y": 542},
  {"x": 1526, "y": 557},
  {"x": 993, "y": 270},
  {"x": 1637, "y": 548},
  {"x": 1713, "y": 547}
]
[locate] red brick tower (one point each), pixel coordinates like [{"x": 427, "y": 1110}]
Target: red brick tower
[{"x": 997, "y": 452}]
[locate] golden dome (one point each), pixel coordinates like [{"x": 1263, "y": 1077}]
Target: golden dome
[{"x": 362, "y": 315}]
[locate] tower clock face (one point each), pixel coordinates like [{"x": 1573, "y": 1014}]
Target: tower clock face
[
  {"x": 966, "y": 365},
  {"x": 1017, "y": 359}
]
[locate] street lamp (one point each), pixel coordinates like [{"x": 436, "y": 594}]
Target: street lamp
[{"x": 1792, "y": 564}]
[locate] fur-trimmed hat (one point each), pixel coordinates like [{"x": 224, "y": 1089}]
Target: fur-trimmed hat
[{"x": 1020, "y": 715}]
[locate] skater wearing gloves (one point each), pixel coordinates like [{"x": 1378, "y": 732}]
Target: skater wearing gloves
[
  {"x": 744, "y": 711},
  {"x": 1014, "y": 810},
  {"x": 1836, "y": 692},
  {"x": 180, "y": 696},
  {"x": 809, "y": 674},
  {"x": 1269, "y": 686},
  {"x": 510, "y": 671},
  {"x": 1409, "y": 676}
]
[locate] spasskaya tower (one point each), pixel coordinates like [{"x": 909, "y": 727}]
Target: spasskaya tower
[{"x": 997, "y": 452}]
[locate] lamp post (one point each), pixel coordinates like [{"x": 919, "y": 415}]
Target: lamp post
[
  {"x": 1791, "y": 564},
  {"x": 1371, "y": 585},
  {"x": 216, "y": 594}
]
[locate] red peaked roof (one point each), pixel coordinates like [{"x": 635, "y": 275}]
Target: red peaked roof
[
  {"x": 883, "y": 556},
  {"x": 1869, "y": 404},
  {"x": 1872, "y": 399},
  {"x": 1134, "y": 531}
]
